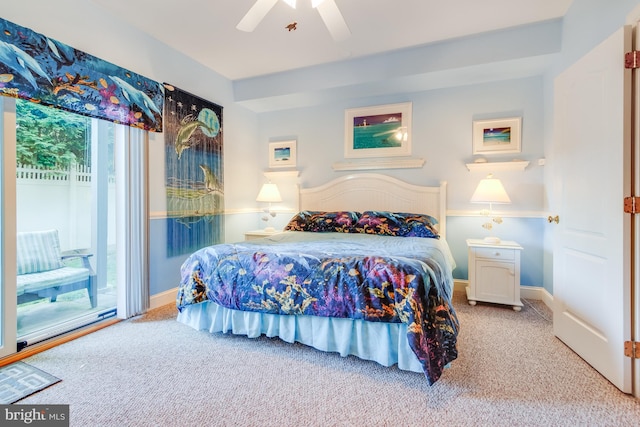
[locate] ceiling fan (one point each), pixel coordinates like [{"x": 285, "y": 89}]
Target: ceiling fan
[{"x": 327, "y": 9}]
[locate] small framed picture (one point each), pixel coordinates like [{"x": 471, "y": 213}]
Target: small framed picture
[
  {"x": 498, "y": 136},
  {"x": 378, "y": 131},
  {"x": 282, "y": 154}
]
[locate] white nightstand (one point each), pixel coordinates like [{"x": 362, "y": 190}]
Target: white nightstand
[
  {"x": 256, "y": 234},
  {"x": 494, "y": 272}
]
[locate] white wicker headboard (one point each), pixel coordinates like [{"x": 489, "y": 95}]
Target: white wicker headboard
[{"x": 371, "y": 191}]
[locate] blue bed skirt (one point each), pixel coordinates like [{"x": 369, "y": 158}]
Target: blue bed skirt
[{"x": 384, "y": 343}]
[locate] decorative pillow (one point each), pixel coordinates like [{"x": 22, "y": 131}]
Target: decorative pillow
[
  {"x": 38, "y": 251},
  {"x": 299, "y": 222},
  {"x": 397, "y": 224},
  {"x": 320, "y": 221}
]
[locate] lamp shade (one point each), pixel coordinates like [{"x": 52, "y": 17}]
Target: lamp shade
[
  {"x": 269, "y": 193},
  {"x": 490, "y": 190}
]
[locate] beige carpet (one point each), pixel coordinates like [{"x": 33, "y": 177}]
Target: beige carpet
[{"x": 154, "y": 371}]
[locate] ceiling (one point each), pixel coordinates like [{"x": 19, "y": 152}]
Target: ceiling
[{"x": 205, "y": 30}]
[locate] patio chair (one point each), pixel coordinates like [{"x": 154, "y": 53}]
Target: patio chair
[{"x": 42, "y": 272}]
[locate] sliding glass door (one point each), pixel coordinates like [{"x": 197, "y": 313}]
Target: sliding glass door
[
  {"x": 74, "y": 222},
  {"x": 65, "y": 191}
]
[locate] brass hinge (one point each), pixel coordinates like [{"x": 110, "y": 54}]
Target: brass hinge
[
  {"x": 631, "y": 205},
  {"x": 632, "y": 59},
  {"x": 632, "y": 349}
]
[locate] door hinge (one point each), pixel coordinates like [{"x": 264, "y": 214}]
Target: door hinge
[
  {"x": 632, "y": 59},
  {"x": 631, "y": 205},
  {"x": 632, "y": 349}
]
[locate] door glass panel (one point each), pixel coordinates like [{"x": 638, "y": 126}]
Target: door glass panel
[{"x": 65, "y": 208}]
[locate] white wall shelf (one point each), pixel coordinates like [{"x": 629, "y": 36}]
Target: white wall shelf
[
  {"x": 498, "y": 166},
  {"x": 379, "y": 164},
  {"x": 281, "y": 174}
]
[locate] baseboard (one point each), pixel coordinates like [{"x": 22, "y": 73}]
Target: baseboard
[
  {"x": 537, "y": 293},
  {"x": 460, "y": 284},
  {"x": 163, "y": 298},
  {"x": 526, "y": 292}
]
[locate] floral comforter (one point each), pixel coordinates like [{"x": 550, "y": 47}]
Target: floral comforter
[{"x": 359, "y": 276}]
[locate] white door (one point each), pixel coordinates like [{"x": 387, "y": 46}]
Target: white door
[{"x": 591, "y": 258}]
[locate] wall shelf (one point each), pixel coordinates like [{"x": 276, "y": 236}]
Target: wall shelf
[
  {"x": 379, "y": 164},
  {"x": 281, "y": 174},
  {"x": 498, "y": 166}
]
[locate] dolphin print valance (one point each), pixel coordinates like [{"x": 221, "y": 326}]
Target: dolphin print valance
[{"x": 43, "y": 70}]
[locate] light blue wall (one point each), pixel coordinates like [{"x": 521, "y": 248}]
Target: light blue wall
[
  {"x": 148, "y": 57},
  {"x": 442, "y": 134},
  {"x": 310, "y": 102},
  {"x": 589, "y": 22}
]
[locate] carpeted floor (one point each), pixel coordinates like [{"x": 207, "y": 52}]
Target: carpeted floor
[{"x": 154, "y": 371}]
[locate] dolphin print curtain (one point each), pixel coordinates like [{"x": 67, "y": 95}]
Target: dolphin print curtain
[
  {"x": 194, "y": 172},
  {"x": 43, "y": 70}
]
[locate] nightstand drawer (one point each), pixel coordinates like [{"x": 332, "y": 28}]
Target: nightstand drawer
[{"x": 495, "y": 253}]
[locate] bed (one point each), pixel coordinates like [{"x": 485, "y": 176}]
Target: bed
[{"x": 362, "y": 269}]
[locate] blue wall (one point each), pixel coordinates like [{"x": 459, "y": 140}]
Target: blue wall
[
  {"x": 442, "y": 120},
  {"x": 442, "y": 135},
  {"x": 450, "y": 84}
]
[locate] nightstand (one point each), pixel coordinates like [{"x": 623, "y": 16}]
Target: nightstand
[
  {"x": 256, "y": 234},
  {"x": 494, "y": 272}
]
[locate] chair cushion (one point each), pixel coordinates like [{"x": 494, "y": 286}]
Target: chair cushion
[
  {"x": 38, "y": 251},
  {"x": 30, "y": 283}
]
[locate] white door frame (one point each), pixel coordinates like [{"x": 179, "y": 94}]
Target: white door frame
[
  {"x": 633, "y": 20},
  {"x": 8, "y": 307}
]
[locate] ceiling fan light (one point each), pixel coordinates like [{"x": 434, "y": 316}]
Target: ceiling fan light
[
  {"x": 316, "y": 3},
  {"x": 291, "y": 3}
]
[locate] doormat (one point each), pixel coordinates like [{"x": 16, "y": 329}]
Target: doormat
[{"x": 20, "y": 380}]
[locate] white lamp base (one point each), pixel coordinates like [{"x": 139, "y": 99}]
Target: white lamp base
[{"x": 492, "y": 240}]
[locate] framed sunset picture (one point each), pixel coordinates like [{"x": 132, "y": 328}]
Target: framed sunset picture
[
  {"x": 282, "y": 154},
  {"x": 498, "y": 136},
  {"x": 378, "y": 131}
]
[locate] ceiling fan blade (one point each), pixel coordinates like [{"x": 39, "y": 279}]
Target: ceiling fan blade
[
  {"x": 333, "y": 19},
  {"x": 255, "y": 15}
]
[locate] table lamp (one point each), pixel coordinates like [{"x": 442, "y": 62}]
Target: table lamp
[
  {"x": 269, "y": 193},
  {"x": 490, "y": 190}
]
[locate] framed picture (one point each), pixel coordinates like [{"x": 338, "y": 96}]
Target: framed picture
[
  {"x": 379, "y": 131},
  {"x": 282, "y": 154},
  {"x": 497, "y": 136}
]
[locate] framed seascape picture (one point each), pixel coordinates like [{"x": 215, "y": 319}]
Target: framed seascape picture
[
  {"x": 282, "y": 154},
  {"x": 378, "y": 131},
  {"x": 499, "y": 136}
]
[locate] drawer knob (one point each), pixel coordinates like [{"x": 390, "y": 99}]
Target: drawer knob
[{"x": 497, "y": 254}]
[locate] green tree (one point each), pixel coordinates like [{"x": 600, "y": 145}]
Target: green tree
[{"x": 50, "y": 137}]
